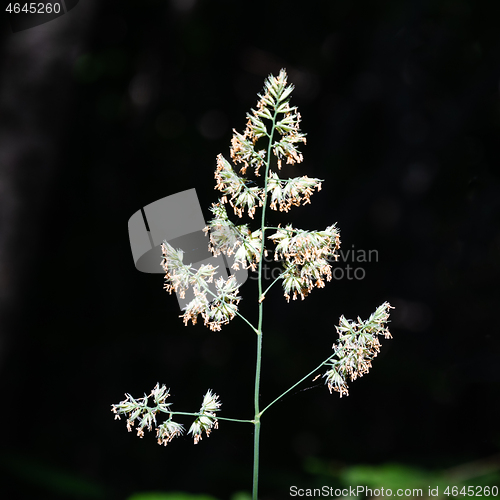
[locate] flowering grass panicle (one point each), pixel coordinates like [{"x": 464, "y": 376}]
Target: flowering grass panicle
[
  {"x": 305, "y": 256},
  {"x": 138, "y": 409},
  {"x": 217, "y": 308},
  {"x": 288, "y": 192},
  {"x": 356, "y": 347},
  {"x": 180, "y": 277},
  {"x": 271, "y": 138},
  {"x": 233, "y": 186}
]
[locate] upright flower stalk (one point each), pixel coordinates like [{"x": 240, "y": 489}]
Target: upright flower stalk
[
  {"x": 255, "y": 483},
  {"x": 305, "y": 256}
]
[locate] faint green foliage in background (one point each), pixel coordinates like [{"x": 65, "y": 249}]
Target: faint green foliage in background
[
  {"x": 51, "y": 478},
  {"x": 178, "y": 495},
  {"x": 394, "y": 476}
]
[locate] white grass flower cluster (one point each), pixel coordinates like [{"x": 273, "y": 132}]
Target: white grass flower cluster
[
  {"x": 179, "y": 277},
  {"x": 357, "y": 346},
  {"x": 217, "y": 308},
  {"x": 305, "y": 256},
  {"x": 288, "y": 192},
  {"x": 284, "y": 192},
  {"x": 233, "y": 186},
  {"x": 229, "y": 238},
  {"x": 206, "y": 421},
  {"x": 305, "y": 253},
  {"x": 167, "y": 431},
  {"x": 138, "y": 409}
]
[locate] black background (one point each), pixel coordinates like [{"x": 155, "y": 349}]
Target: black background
[{"x": 400, "y": 101}]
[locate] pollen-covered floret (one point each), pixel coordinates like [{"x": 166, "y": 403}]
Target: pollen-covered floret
[
  {"x": 305, "y": 256},
  {"x": 356, "y": 347},
  {"x": 206, "y": 421}
]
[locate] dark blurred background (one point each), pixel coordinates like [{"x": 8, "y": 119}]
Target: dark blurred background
[{"x": 117, "y": 104}]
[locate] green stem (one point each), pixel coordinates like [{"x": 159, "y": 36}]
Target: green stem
[
  {"x": 255, "y": 484},
  {"x": 267, "y": 289},
  {"x": 299, "y": 382},
  {"x": 248, "y": 322},
  {"x": 201, "y": 414}
]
